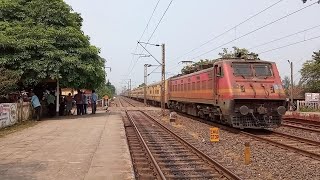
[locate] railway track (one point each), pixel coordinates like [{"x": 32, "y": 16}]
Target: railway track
[
  {"x": 303, "y": 146},
  {"x": 172, "y": 157},
  {"x": 301, "y": 125},
  {"x": 125, "y": 103}
]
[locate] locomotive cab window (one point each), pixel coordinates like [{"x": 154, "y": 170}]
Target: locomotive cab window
[
  {"x": 242, "y": 69},
  {"x": 220, "y": 72},
  {"x": 262, "y": 70}
]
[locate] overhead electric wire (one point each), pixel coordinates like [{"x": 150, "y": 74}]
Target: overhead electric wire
[
  {"x": 268, "y": 24},
  {"x": 278, "y": 39},
  {"x": 298, "y": 42},
  {"x": 165, "y": 12},
  {"x": 225, "y": 32},
  {"x": 144, "y": 31}
]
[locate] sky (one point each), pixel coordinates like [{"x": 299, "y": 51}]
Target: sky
[{"x": 115, "y": 26}]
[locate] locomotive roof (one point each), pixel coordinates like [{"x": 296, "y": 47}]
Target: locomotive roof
[
  {"x": 223, "y": 60},
  {"x": 243, "y": 60}
]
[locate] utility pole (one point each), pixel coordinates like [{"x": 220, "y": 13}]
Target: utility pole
[
  {"x": 145, "y": 83},
  {"x": 163, "y": 79},
  {"x": 291, "y": 90}
]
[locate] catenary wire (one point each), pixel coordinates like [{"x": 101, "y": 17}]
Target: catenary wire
[
  {"x": 144, "y": 31},
  {"x": 225, "y": 32},
  {"x": 298, "y": 42},
  {"x": 152, "y": 33},
  {"x": 278, "y": 39},
  {"x": 268, "y": 24}
]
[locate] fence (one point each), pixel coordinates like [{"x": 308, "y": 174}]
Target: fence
[
  {"x": 308, "y": 106},
  {"x": 12, "y": 113}
]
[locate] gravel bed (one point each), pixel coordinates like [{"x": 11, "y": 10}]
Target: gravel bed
[
  {"x": 268, "y": 162},
  {"x": 315, "y": 136}
]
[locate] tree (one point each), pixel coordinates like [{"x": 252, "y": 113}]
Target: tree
[
  {"x": 42, "y": 39},
  {"x": 106, "y": 90},
  {"x": 310, "y": 73},
  {"x": 141, "y": 85},
  {"x": 8, "y": 81},
  {"x": 286, "y": 84},
  {"x": 238, "y": 53},
  {"x": 197, "y": 66},
  {"x": 225, "y": 54}
]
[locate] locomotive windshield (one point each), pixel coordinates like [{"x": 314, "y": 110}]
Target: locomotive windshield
[
  {"x": 262, "y": 69},
  {"x": 242, "y": 69},
  {"x": 250, "y": 69}
]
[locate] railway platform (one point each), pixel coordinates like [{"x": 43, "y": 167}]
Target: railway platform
[{"x": 77, "y": 147}]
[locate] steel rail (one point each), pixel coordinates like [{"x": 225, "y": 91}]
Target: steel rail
[
  {"x": 230, "y": 129},
  {"x": 304, "y": 140},
  {"x": 303, "y": 122},
  {"x": 301, "y": 151},
  {"x": 124, "y": 99},
  {"x": 220, "y": 168},
  {"x": 146, "y": 147},
  {"x": 301, "y": 127}
]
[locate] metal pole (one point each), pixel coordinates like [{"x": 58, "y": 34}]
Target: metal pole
[
  {"x": 145, "y": 84},
  {"x": 57, "y": 97},
  {"x": 291, "y": 92},
  {"x": 163, "y": 80}
]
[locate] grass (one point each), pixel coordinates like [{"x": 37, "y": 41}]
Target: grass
[{"x": 17, "y": 127}]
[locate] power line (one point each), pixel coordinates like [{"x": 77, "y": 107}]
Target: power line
[
  {"x": 154, "y": 10},
  {"x": 144, "y": 31},
  {"x": 268, "y": 24},
  {"x": 298, "y": 42},
  {"x": 284, "y": 37},
  {"x": 165, "y": 12},
  {"x": 159, "y": 21},
  {"x": 246, "y": 20}
]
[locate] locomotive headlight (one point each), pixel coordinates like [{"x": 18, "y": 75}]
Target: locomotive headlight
[
  {"x": 244, "y": 110},
  {"x": 281, "y": 110}
]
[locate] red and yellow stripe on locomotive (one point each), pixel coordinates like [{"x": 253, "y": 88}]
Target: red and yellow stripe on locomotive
[{"x": 238, "y": 92}]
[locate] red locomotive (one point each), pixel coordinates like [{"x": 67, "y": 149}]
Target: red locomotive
[{"x": 238, "y": 92}]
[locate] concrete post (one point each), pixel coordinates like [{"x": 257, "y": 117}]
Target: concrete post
[{"x": 57, "y": 97}]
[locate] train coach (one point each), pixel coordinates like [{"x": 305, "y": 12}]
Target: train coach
[{"x": 238, "y": 92}]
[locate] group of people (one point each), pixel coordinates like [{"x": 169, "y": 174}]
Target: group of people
[{"x": 81, "y": 101}]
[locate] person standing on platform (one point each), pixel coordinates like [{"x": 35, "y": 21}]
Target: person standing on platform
[
  {"x": 94, "y": 99},
  {"x": 36, "y": 105},
  {"x": 85, "y": 103},
  {"x": 79, "y": 101},
  {"x": 68, "y": 100},
  {"x": 51, "y": 106}
]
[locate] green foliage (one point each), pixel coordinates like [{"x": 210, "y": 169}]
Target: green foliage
[
  {"x": 42, "y": 39},
  {"x": 286, "y": 84},
  {"x": 310, "y": 74},
  {"x": 238, "y": 53},
  {"x": 241, "y": 53},
  {"x": 106, "y": 89},
  {"x": 141, "y": 85},
  {"x": 197, "y": 66},
  {"x": 8, "y": 81}
]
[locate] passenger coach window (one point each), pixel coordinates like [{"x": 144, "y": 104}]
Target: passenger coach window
[
  {"x": 242, "y": 70},
  {"x": 262, "y": 69}
]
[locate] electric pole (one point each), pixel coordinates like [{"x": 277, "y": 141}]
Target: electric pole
[
  {"x": 291, "y": 90},
  {"x": 163, "y": 79},
  {"x": 145, "y": 83}
]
